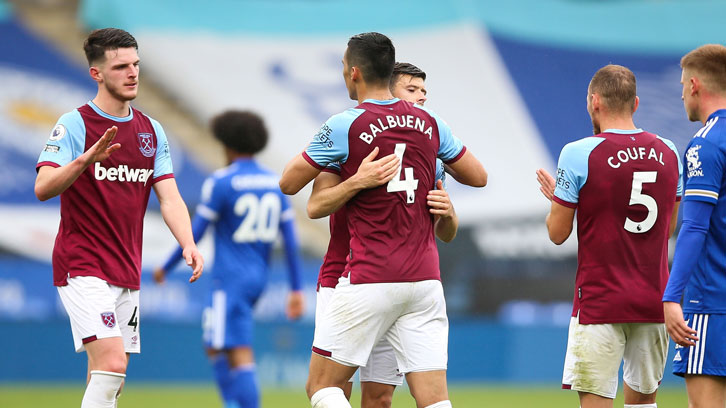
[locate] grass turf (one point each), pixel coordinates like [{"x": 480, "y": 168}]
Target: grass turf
[{"x": 193, "y": 396}]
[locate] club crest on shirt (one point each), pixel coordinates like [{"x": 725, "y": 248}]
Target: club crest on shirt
[
  {"x": 58, "y": 132},
  {"x": 109, "y": 319},
  {"x": 694, "y": 164},
  {"x": 146, "y": 144}
]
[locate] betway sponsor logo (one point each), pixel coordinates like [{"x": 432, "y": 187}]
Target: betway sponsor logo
[{"x": 122, "y": 173}]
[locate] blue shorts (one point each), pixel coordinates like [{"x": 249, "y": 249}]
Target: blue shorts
[
  {"x": 227, "y": 319},
  {"x": 708, "y": 355}
]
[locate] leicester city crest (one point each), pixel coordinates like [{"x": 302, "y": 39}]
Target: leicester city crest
[{"x": 146, "y": 144}]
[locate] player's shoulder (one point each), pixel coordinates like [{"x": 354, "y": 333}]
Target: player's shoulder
[
  {"x": 583, "y": 146},
  {"x": 714, "y": 130},
  {"x": 667, "y": 142},
  {"x": 345, "y": 118},
  {"x": 70, "y": 124}
]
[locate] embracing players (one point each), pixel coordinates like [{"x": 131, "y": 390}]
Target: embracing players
[{"x": 391, "y": 284}]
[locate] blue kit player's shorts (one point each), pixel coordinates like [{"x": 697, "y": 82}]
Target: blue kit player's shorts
[
  {"x": 708, "y": 355},
  {"x": 227, "y": 319}
]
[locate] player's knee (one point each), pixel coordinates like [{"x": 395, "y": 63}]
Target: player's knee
[
  {"x": 383, "y": 400},
  {"x": 116, "y": 364}
]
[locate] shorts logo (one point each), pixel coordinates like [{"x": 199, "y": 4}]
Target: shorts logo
[
  {"x": 109, "y": 319},
  {"x": 134, "y": 340},
  {"x": 58, "y": 132},
  {"x": 146, "y": 144}
]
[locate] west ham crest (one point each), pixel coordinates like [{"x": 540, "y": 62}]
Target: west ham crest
[
  {"x": 146, "y": 144},
  {"x": 109, "y": 319}
]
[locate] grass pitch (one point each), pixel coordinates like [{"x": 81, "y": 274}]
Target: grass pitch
[{"x": 198, "y": 396}]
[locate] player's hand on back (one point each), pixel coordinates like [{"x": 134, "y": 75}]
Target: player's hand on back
[
  {"x": 439, "y": 202},
  {"x": 547, "y": 183},
  {"x": 103, "y": 148},
  {"x": 373, "y": 173},
  {"x": 295, "y": 305},
  {"x": 194, "y": 259},
  {"x": 676, "y": 325}
]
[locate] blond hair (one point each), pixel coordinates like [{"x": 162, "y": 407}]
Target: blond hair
[{"x": 709, "y": 63}]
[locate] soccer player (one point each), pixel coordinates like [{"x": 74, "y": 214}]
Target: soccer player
[
  {"x": 380, "y": 375},
  {"x": 103, "y": 159},
  {"x": 699, "y": 264},
  {"x": 624, "y": 183},
  {"x": 248, "y": 210},
  {"x": 391, "y": 284}
]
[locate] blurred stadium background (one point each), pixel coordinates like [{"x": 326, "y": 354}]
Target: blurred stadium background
[{"x": 509, "y": 76}]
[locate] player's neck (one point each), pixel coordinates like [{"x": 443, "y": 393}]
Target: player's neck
[
  {"x": 378, "y": 93},
  {"x": 617, "y": 122},
  {"x": 111, "y": 105},
  {"x": 711, "y": 105}
]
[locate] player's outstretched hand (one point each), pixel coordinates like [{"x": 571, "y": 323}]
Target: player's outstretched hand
[
  {"x": 372, "y": 173},
  {"x": 103, "y": 148},
  {"x": 295, "y": 305},
  {"x": 547, "y": 183},
  {"x": 439, "y": 202},
  {"x": 194, "y": 259},
  {"x": 676, "y": 325},
  {"x": 159, "y": 275}
]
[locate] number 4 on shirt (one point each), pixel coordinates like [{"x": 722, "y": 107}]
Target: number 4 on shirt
[{"x": 408, "y": 184}]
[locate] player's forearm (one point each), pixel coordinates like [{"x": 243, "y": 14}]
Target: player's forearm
[
  {"x": 446, "y": 227},
  {"x": 468, "y": 170},
  {"x": 326, "y": 201},
  {"x": 52, "y": 181},
  {"x": 176, "y": 217}
]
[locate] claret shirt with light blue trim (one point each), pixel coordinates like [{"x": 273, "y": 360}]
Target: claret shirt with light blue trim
[
  {"x": 705, "y": 181},
  {"x": 624, "y": 185},
  {"x": 405, "y": 249},
  {"x": 102, "y": 212}
]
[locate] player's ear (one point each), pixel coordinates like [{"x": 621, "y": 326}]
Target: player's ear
[
  {"x": 595, "y": 102},
  {"x": 695, "y": 85},
  {"x": 355, "y": 74},
  {"x": 636, "y": 103},
  {"x": 95, "y": 74}
]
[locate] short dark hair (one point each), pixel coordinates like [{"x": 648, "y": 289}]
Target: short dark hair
[
  {"x": 404, "y": 68},
  {"x": 101, "y": 40},
  {"x": 616, "y": 85},
  {"x": 241, "y": 131},
  {"x": 374, "y": 55}
]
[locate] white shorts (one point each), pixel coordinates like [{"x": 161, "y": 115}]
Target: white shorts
[
  {"x": 411, "y": 316},
  {"x": 381, "y": 366},
  {"x": 594, "y": 353},
  {"x": 98, "y": 310}
]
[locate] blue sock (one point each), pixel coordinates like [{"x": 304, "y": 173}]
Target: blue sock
[
  {"x": 223, "y": 377},
  {"x": 244, "y": 386}
]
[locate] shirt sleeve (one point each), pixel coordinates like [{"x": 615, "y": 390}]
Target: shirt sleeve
[
  {"x": 679, "y": 188},
  {"x": 705, "y": 167},
  {"x": 689, "y": 245},
  {"x": 330, "y": 144},
  {"x": 440, "y": 173},
  {"x": 292, "y": 251},
  {"x": 66, "y": 142},
  {"x": 162, "y": 161},
  {"x": 572, "y": 169},
  {"x": 212, "y": 198}
]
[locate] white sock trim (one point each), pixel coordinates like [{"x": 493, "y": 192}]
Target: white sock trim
[
  {"x": 111, "y": 373},
  {"x": 653, "y": 405},
  {"x": 330, "y": 397},
  {"x": 441, "y": 404}
]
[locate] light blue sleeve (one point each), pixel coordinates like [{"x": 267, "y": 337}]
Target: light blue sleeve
[
  {"x": 211, "y": 200},
  {"x": 162, "y": 161},
  {"x": 440, "y": 173},
  {"x": 67, "y": 140},
  {"x": 572, "y": 168},
  {"x": 705, "y": 168},
  {"x": 330, "y": 144},
  {"x": 450, "y": 147},
  {"x": 679, "y": 189}
]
